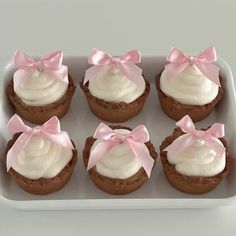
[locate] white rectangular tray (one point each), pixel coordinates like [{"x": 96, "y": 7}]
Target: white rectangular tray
[{"x": 80, "y": 192}]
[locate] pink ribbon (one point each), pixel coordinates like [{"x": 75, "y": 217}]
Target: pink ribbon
[
  {"x": 125, "y": 63},
  {"x": 134, "y": 139},
  {"x": 204, "y": 61},
  {"x": 50, "y": 130},
  {"x": 51, "y": 64},
  {"x": 209, "y": 136}
]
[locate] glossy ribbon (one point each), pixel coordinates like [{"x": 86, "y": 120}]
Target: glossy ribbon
[
  {"x": 204, "y": 61},
  {"x": 209, "y": 135},
  {"x": 51, "y": 64},
  {"x": 110, "y": 139},
  {"x": 125, "y": 63},
  {"x": 50, "y": 130}
]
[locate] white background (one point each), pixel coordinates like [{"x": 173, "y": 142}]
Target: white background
[{"x": 75, "y": 27}]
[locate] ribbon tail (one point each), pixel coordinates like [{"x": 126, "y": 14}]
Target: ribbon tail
[
  {"x": 143, "y": 156},
  {"x": 17, "y": 147},
  {"x": 98, "y": 153},
  {"x": 60, "y": 74},
  {"x": 132, "y": 71},
  {"x": 21, "y": 76},
  {"x": 60, "y": 138},
  {"x": 91, "y": 72},
  {"x": 219, "y": 148},
  {"x": 211, "y": 71},
  {"x": 179, "y": 145},
  {"x": 175, "y": 68}
]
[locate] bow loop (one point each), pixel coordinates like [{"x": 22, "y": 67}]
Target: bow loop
[
  {"x": 52, "y": 125},
  {"x": 52, "y": 61},
  {"x": 103, "y": 132},
  {"x": 186, "y": 124},
  {"x": 217, "y": 130},
  {"x": 16, "y": 125},
  {"x": 22, "y": 60},
  {"x": 207, "y": 56},
  {"x": 98, "y": 57},
  {"x": 175, "y": 55},
  {"x": 131, "y": 57},
  {"x": 139, "y": 134}
]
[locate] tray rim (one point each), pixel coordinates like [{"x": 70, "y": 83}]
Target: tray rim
[
  {"x": 130, "y": 203},
  {"x": 117, "y": 204}
]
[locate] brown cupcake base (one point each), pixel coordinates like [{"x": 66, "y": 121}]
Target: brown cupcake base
[
  {"x": 176, "y": 110},
  {"x": 116, "y": 186},
  {"x": 43, "y": 186},
  {"x": 115, "y": 112},
  {"x": 40, "y": 114},
  {"x": 191, "y": 184}
]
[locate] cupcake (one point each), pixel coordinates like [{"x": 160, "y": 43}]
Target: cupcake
[
  {"x": 119, "y": 160},
  {"x": 114, "y": 86},
  {"x": 41, "y": 159},
  {"x": 195, "y": 161},
  {"x": 40, "y": 89},
  {"x": 189, "y": 85}
]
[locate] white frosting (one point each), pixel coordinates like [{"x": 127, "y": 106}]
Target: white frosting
[
  {"x": 41, "y": 89},
  {"x": 198, "y": 160},
  {"x": 119, "y": 162},
  {"x": 112, "y": 86},
  {"x": 189, "y": 87},
  {"x": 42, "y": 158}
]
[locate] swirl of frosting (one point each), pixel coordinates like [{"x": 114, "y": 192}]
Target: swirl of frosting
[
  {"x": 119, "y": 162},
  {"x": 198, "y": 160},
  {"x": 112, "y": 86},
  {"x": 190, "y": 87},
  {"x": 42, "y": 159},
  {"x": 41, "y": 89}
]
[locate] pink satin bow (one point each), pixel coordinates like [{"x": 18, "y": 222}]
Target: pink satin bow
[
  {"x": 51, "y": 64},
  {"x": 125, "y": 63},
  {"x": 204, "y": 61},
  {"x": 110, "y": 139},
  {"x": 50, "y": 130},
  {"x": 209, "y": 136}
]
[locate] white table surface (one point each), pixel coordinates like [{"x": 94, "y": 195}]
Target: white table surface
[{"x": 153, "y": 27}]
